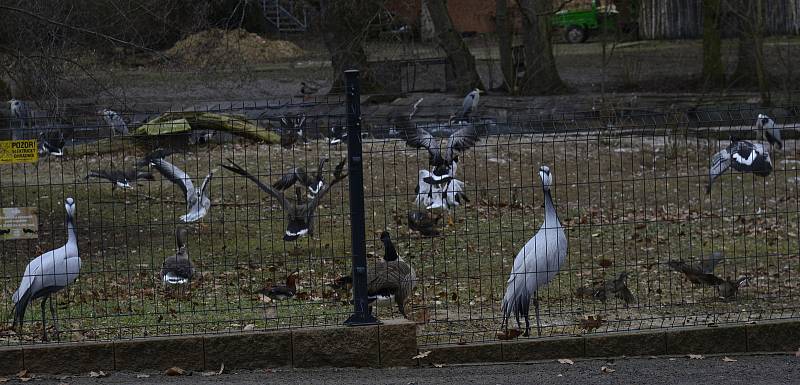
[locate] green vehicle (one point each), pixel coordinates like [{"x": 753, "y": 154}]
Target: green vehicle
[{"x": 578, "y": 24}]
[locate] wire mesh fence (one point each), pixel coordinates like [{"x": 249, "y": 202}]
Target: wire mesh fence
[{"x": 628, "y": 186}]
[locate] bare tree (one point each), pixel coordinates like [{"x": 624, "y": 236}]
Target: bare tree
[
  {"x": 748, "y": 17},
  {"x": 504, "y": 30},
  {"x": 460, "y": 62},
  {"x": 713, "y": 70},
  {"x": 541, "y": 74}
]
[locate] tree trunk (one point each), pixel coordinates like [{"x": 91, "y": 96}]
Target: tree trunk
[
  {"x": 541, "y": 74},
  {"x": 460, "y": 62},
  {"x": 713, "y": 70},
  {"x": 426, "y": 29},
  {"x": 750, "y": 68},
  {"x": 343, "y": 23},
  {"x": 505, "y": 39}
]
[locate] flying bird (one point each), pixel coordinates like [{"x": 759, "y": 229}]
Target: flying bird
[
  {"x": 177, "y": 269},
  {"x": 291, "y": 130},
  {"x": 389, "y": 279},
  {"x": 470, "y": 103},
  {"x": 536, "y": 263},
  {"x": 299, "y": 213},
  {"x": 121, "y": 178},
  {"x": 743, "y": 156},
  {"x": 767, "y": 128},
  {"x": 730, "y": 287},
  {"x": 197, "y": 201},
  {"x": 313, "y": 183},
  {"x": 49, "y": 273},
  {"x": 700, "y": 273},
  {"x": 282, "y": 292},
  {"x": 115, "y": 121},
  {"x": 616, "y": 288}
]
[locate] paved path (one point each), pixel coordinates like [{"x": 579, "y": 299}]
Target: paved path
[{"x": 749, "y": 370}]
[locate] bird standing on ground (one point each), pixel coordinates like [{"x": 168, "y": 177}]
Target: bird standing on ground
[
  {"x": 448, "y": 196},
  {"x": 121, "y": 178},
  {"x": 730, "y": 287},
  {"x": 177, "y": 269},
  {"x": 299, "y": 214},
  {"x": 389, "y": 278},
  {"x": 470, "y": 103},
  {"x": 701, "y": 273},
  {"x": 22, "y": 113},
  {"x": 425, "y": 197},
  {"x": 743, "y": 156},
  {"x": 49, "y": 273},
  {"x": 282, "y": 292},
  {"x": 291, "y": 130},
  {"x": 767, "y": 128},
  {"x": 313, "y": 183},
  {"x": 537, "y": 263},
  {"x": 197, "y": 201},
  {"x": 115, "y": 121}
]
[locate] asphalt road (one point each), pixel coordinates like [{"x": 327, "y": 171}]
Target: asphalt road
[{"x": 749, "y": 370}]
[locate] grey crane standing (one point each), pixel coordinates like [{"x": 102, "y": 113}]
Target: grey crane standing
[
  {"x": 537, "y": 263},
  {"x": 20, "y": 111},
  {"x": 48, "y": 274},
  {"x": 115, "y": 121},
  {"x": 470, "y": 103},
  {"x": 767, "y": 128}
]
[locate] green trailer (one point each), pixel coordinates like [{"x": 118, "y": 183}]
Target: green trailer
[{"x": 579, "y": 23}]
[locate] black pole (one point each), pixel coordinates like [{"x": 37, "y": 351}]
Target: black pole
[{"x": 361, "y": 312}]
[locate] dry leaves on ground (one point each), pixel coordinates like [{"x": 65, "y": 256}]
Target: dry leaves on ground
[
  {"x": 509, "y": 334},
  {"x": 174, "y": 371},
  {"x": 566, "y": 361}
]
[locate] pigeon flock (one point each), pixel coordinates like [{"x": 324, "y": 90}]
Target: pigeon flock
[{"x": 437, "y": 191}]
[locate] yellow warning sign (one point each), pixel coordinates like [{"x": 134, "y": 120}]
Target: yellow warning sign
[
  {"x": 18, "y": 223},
  {"x": 19, "y": 151}
]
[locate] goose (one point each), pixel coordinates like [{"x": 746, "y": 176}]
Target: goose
[
  {"x": 767, "y": 128},
  {"x": 536, "y": 263},
  {"x": 291, "y": 130},
  {"x": 177, "y": 269},
  {"x": 390, "y": 278},
  {"x": 702, "y": 273},
  {"x": 424, "y": 191},
  {"x": 299, "y": 214},
  {"x": 424, "y": 223},
  {"x": 448, "y": 196},
  {"x": 282, "y": 292},
  {"x": 417, "y": 137},
  {"x": 121, "y": 178},
  {"x": 617, "y": 288},
  {"x": 115, "y": 121},
  {"x": 197, "y": 201},
  {"x": 470, "y": 103},
  {"x": 313, "y": 183},
  {"x": 21, "y": 112},
  {"x": 49, "y": 273},
  {"x": 743, "y": 156}
]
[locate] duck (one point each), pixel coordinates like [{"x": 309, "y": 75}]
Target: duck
[
  {"x": 48, "y": 274},
  {"x": 537, "y": 263},
  {"x": 314, "y": 183},
  {"x": 424, "y": 223},
  {"x": 197, "y": 201},
  {"x": 299, "y": 213},
  {"x": 291, "y": 130},
  {"x": 283, "y": 292},
  {"x": 743, "y": 156},
  {"x": 178, "y": 269}
]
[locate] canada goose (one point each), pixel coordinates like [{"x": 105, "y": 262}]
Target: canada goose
[
  {"x": 424, "y": 223},
  {"x": 536, "y": 263},
  {"x": 121, "y": 178},
  {"x": 282, "y": 292},
  {"x": 299, "y": 215},
  {"x": 313, "y": 183},
  {"x": 617, "y": 288},
  {"x": 743, "y": 156},
  {"x": 292, "y": 130},
  {"x": 197, "y": 201},
  {"x": 767, "y": 128},
  {"x": 177, "y": 269},
  {"x": 115, "y": 121},
  {"x": 389, "y": 278},
  {"x": 702, "y": 273},
  {"x": 49, "y": 273}
]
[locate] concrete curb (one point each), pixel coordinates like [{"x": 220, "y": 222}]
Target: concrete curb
[
  {"x": 390, "y": 344},
  {"x": 768, "y": 336}
]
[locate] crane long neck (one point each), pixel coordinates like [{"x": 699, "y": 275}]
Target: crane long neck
[
  {"x": 550, "y": 214},
  {"x": 72, "y": 236}
]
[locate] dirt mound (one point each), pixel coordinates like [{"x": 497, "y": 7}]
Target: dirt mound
[{"x": 216, "y": 47}]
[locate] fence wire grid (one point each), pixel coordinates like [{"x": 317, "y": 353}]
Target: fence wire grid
[{"x": 629, "y": 188}]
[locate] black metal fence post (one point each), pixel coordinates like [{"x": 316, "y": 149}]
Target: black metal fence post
[{"x": 361, "y": 312}]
